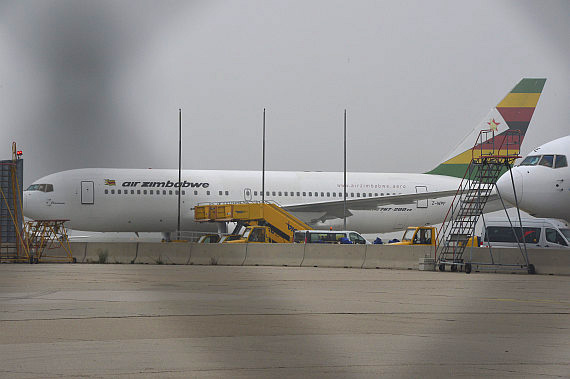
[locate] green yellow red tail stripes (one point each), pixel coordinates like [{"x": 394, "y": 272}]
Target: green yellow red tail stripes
[
  {"x": 514, "y": 112},
  {"x": 518, "y": 106}
]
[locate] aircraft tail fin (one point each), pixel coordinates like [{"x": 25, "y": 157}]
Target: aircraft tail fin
[{"x": 514, "y": 112}]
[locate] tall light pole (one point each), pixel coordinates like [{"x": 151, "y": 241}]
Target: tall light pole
[
  {"x": 179, "y": 167},
  {"x": 344, "y": 190},
  {"x": 263, "y": 163}
]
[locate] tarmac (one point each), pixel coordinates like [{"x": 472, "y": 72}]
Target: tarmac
[{"x": 134, "y": 320}]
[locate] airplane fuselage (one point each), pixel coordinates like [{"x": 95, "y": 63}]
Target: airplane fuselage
[{"x": 138, "y": 200}]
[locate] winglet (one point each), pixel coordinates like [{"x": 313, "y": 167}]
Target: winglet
[{"x": 514, "y": 112}]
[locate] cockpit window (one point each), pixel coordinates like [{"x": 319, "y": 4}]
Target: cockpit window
[
  {"x": 41, "y": 187},
  {"x": 561, "y": 161},
  {"x": 531, "y": 160},
  {"x": 547, "y": 160},
  {"x": 555, "y": 161}
]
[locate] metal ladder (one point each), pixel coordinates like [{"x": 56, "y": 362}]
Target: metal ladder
[{"x": 487, "y": 164}]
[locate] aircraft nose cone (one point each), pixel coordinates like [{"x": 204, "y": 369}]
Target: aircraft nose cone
[
  {"x": 32, "y": 206},
  {"x": 505, "y": 186},
  {"x": 26, "y": 206}
]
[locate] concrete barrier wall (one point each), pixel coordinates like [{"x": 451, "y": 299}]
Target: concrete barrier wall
[
  {"x": 290, "y": 254},
  {"x": 326, "y": 255},
  {"x": 58, "y": 254},
  {"x": 546, "y": 261},
  {"x": 501, "y": 256},
  {"x": 163, "y": 253},
  {"x": 217, "y": 254},
  {"x": 117, "y": 252},
  {"x": 396, "y": 257},
  {"x": 79, "y": 250}
]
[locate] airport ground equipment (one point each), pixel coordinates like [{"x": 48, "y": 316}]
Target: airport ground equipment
[
  {"x": 45, "y": 237},
  {"x": 418, "y": 235},
  {"x": 229, "y": 237},
  {"x": 488, "y": 162},
  {"x": 209, "y": 238},
  {"x": 280, "y": 224},
  {"x": 13, "y": 246},
  {"x": 254, "y": 234},
  {"x": 426, "y": 235}
]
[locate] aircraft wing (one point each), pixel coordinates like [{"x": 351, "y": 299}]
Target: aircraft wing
[{"x": 326, "y": 210}]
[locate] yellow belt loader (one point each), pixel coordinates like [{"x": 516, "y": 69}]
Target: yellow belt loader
[{"x": 264, "y": 222}]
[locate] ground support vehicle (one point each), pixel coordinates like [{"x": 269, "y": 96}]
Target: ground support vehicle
[
  {"x": 209, "y": 238},
  {"x": 264, "y": 222},
  {"x": 427, "y": 235}
]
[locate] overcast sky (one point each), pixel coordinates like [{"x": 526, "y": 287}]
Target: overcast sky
[{"x": 99, "y": 83}]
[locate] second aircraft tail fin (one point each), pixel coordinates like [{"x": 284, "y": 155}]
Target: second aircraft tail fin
[{"x": 514, "y": 112}]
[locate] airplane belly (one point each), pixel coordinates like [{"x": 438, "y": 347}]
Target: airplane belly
[{"x": 555, "y": 205}]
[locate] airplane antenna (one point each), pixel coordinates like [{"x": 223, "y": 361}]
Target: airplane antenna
[
  {"x": 179, "y": 166},
  {"x": 344, "y": 190},
  {"x": 263, "y": 163}
]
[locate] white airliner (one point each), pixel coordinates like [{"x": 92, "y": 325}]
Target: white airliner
[
  {"x": 541, "y": 181},
  {"x": 139, "y": 200}
]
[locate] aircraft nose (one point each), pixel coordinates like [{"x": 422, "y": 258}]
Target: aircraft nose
[
  {"x": 32, "y": 206},
  {"x": 27, "y": 207},
  {"x": 505, "y": 186}
]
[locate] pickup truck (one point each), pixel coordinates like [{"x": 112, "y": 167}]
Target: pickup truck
[
  {"x": 425, "y": 235},
  {"x": 419, "y": 235}
]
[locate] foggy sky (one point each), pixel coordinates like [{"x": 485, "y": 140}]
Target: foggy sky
[{"x": 99, "y": 84}]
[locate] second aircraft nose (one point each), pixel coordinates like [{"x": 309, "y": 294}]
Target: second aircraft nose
[
  {"x": 505, "y": 186},
  {"x": 30, "y": 205}
]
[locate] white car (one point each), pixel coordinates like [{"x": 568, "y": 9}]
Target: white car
[{"x": 328, "y": 236}]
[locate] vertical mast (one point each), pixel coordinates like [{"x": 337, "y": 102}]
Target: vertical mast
[
  {"x": 344, "y": 188},
  {"x": 263, "y": 163},
  {"x": 179, "y": 167}
]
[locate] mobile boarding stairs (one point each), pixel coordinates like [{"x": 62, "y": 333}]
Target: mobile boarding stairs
[{"x": 491, "y": 157}]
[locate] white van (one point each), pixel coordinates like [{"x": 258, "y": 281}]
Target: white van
[
  {"x": 327, "y": 236},
  {"x": 538, "y": 232}
]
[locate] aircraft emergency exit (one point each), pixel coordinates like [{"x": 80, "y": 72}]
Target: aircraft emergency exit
[{"x": 139, "y": 200}]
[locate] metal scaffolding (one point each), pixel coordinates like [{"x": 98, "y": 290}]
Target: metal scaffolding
[
  {"x": 13, "y": 245},
  {"x": 32, "y": 241},
  {"x": 48, "y": 241}
]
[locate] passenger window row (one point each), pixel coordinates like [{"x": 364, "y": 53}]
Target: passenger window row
[
  {"x": 255, "y": 193},
  {"x": 157, "y": 192},
  {"x": 321, "y": 194}
]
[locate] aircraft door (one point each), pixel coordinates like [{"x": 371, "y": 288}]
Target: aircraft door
[
  {"x": 421, "y": 203},
  {"x": 247, "y": 194},
  {"x": 87, "y": 192}
]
